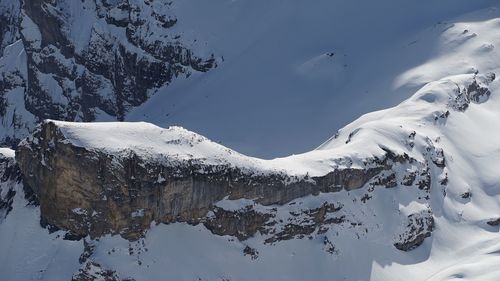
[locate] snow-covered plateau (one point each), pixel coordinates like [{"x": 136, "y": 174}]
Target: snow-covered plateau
[{"x": 411, "y": 192}]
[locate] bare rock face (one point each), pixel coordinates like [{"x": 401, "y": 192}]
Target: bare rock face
[
  {"x": 475, "y": 92},
  {"x": 494, "y": 222},
  {"x": 86, "y": 60},
  {"x": 9, "y": 23},
  {"x": 91, "y": 192},
  {"x": 93, "y": 271},
  {"x": 419, "y": 227},
  {"x": 10, "y": 176},
  {"x": 239, "y": 223}
]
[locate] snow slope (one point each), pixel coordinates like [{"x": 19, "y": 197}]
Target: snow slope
[
  {"x": 288, "y": 72},
  {"x": 295, "y": 71},
  {"x": 29, "y": 252}
]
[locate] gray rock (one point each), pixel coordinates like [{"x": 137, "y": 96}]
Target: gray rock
[
  {"x": 106, "y": 74},
  {"x": 91, "y": 192}
]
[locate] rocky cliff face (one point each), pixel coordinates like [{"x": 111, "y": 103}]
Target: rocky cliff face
[
  {"x": 10, "y": 175},
  {"x": 86, "y": 60},
  {"x": 119, "y": 178},
  {"x": 94, "y": 192}
]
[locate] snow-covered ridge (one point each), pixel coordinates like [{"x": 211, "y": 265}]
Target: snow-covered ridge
[
  {"x": 183, "y": 174},
  {"x": 439, "y": 126},
  {"x": 148, "y": 140},
  {"x": 408, "y": 128}
]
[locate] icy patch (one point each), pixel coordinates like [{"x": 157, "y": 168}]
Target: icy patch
[{"x": 7, "y": 152}]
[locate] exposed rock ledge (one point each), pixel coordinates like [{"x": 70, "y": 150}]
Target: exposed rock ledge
[{"x": 94, "y": 190}]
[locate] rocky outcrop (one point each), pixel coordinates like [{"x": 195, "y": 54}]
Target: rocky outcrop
[
  {"x": 419, "y": 227},
  {"x": 91, "y": 271},
  {"x": 92, "y": 192},
  {"x": 172, "y": 175},
  {"x": 239, "y": 223},
  {"x": 494, "y": 222},
  {"x": 9, "y": 176},
  {"x": 307, "y": 222},
  {"x": 475, "y": 92},
  {"x": 100, "y": 64},
  {"x": 9, "y": 23}
]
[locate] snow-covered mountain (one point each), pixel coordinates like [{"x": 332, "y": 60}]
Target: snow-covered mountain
[{"x": 406, "y": 193}]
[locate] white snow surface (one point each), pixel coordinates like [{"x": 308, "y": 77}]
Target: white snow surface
[
  {"x": 294, "y": 71},
  {"x": 7, "y": 152},
  {"x": 363, "y": 139},
  {"x": 290, "y": 72}
]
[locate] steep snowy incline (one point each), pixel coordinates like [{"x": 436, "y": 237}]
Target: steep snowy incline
[
  {"x": 287, "y": 71},
  {"x": 414, "y": 123},
  {"x": 300, "y": 70}
]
